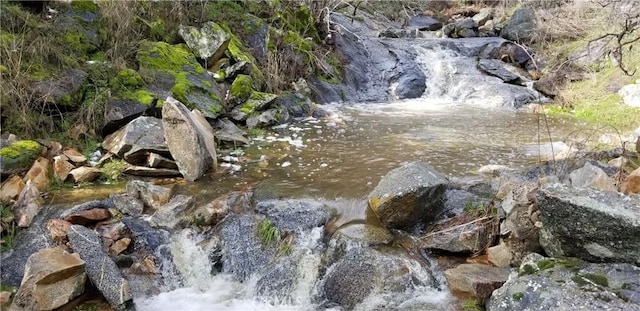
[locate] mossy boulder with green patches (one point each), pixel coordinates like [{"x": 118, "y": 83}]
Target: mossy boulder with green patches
[
  {"x": 65, "y": 89},
  {"x": 239, "y": 53},
  {"x": 241, "y": 89},
  {"x": 19, "y": 156},
  {"x": 208, "y": 43},
  {"x": 257, "y": 102},
  {"x": 79, "y": 27},
  {"x": 171, "y": 70}
]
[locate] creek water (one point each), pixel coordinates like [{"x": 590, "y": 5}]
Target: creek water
[{"x": 339, "y": 160}]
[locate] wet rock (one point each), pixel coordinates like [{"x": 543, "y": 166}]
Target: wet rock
[
  {"x": 151, "y": 195},
  {"x": 590, "y": 176},
  {"x": 17, "y": 157},
  {"x": 631, "y": 184},
  {"x": 74, "y": 156},
  {"x": 84, "y": 174},
  {"x": 471, "y": 237},
  {"x": 64, "y": 89},
  {"x": 589, "y": 224},
  {"x": 423, "y": 22},
  {"x": 26, "y": 242},
  {"x": 393, "y": 32},
  {"x": 521, "y": 27},
  {"x": 294, "y": 215},
  {"x": 411, "y": 84},
  {"x": 505, "y": 72},
  {"x": 410, "y": 195},
  {"x": 213, "y": 212},
  {"x": 474, "y": 281},
  {"x": 258, "y": 101},
  {"x": 151, "y": 172},
  {"x": 102, "y": 271},
  {"x": 630, "y": 93},
  {"x": 185, "y": 140},
  {"x": 355, "y": 235},
  {"x": 230, "y": 132},
  {"x": 206, "y": 131},
  {"x": 38, "y": 174},
  {"x": 11, "y": 188},
  {"x": 208, "y": 43},
  {"x": 52, "y": 278},
  {"x": 363, "y": 271},
  {"x": 241, "y": 90},
  {"x": 88, "y": 217},
  {"x": 103, "y": 204},
  {"x": 27, "y": 205},
  {"x": 174, "y": 214},
  {"x": 243, "y": 252},
  {"x": 135, "y": 140},
  {"x": 465, "y": 28},
  {"x": 267, "y": 118},
  {"x": 548, "y": 284},
  {"x": 61, "y": 167},
  {"x": 127, "y": 205}
]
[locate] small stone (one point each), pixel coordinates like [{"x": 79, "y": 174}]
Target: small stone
[
  {"x": 119, "y": 246},
  {"x": 27, "y": 205},
  {"x": 156, "y": 161},
  {"x": 75, "y": 156},
  {"x": 590, "y": 176},
  {"x": 84, "y": 174},
  {"x": 499, "y": 255},
  {"x": 474, "y": 281},
  {"x": 631, "y": 184},
  {"x": 151, "y": 195},
  {"x": 58, "y": 229},
  {"x": 151, "y": 172}
]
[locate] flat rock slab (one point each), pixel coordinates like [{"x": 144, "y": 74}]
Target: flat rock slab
[
  {"x": 475, "y": 281},
  {"x": 102, "y": 271},
  {"x": 597, "y": 226}
]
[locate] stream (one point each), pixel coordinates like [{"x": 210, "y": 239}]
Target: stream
[{"x": 455, "y": 127}]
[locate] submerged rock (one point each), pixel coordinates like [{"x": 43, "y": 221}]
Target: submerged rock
[
  {"x": 410, "y": 195},
  {"x": 102, "y": 271},
  {"x": 548, "y": 284},
  {"x": 590, "y": 224},
  {"x": 52, "y": 278}
]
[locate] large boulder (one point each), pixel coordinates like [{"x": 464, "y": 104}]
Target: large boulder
[
  {"x": 208, "y": 43},
  {"x": 364, "y": 271},
  {"x": 548, "y": 284},
  {"x": 188, "y": 140},
  {"x": 594, "y": 225},
  {"x": 294, "y": 215},
  {"x": 409, "y": 195},
  {"x": 135, "y": 140},
  {"x": 171, "y": 70},
  {"x": 521, "y": 27},
  {"x": 52, "y": 278},
  {"x": 411, "y": 84},
  {"x": 19, "y": 156},
  {"x": 102, "y": 271},
  {"x": 423, "y": 22},
  {"x": 244, "y": 252}
]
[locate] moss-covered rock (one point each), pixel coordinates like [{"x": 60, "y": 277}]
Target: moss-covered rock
[
  {"x": 240, "y": 89},
  {"x": 19, "y": 156},
  {"x": 66, "y": 89},
  {"x": 79, "y": 27},
  {"x": 173, "y": 70},
  {"x": 238, "y": 52},
  {"x": 208, "y": 43}
]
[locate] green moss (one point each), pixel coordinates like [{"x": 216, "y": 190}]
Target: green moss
[
  {"x": 545, "y": 264},
  {"x": 84, "y": 6},
  {"x": 527, "y": 269},
  {"x": 248, "y": 107},
  {"x": 238, "y": 52},
  {"x": 163, "y": 57},
  {"x": 579, "y": 280},
  {"x": 141, "y": 95},
  {"x": 241, "y": 88},
  {"x": 127, "y": 78},
  {"x": 517, "y": 296},
  {"x": 77, "y": 42},
  {"x": 599, "y": 279},
  {"x": 20, "y": 155},
  {"x": 4, "y": 70},
  {"x": 569, "y": 262}
]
